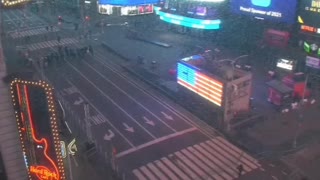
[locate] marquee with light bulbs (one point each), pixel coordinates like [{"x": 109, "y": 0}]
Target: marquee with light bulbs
[
  {"x": 36, "y": 118},
  {"x": 8, "y": 3}
]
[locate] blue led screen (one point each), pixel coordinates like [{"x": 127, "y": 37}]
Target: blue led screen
[
  {"x": 128, "y": 2},
  {"x": 275, "y": 10}
]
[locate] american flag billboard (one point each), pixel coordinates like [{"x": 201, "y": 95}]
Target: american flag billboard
[{"x": 200, "y": 83}]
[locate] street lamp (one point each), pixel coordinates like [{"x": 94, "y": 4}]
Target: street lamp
[{"x": 233, "y": 61}]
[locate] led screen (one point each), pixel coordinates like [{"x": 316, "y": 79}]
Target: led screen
[
  {"x": 203, "y": 85},
  {"x": 128, "y": 2},
  {"x": 309, "y": 15},
  {"x": 275, "y": 10},
  {"x": 37, "y": 125}
]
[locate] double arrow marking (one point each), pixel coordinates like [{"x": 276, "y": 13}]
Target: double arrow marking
[{"x": 79, "y": 101}]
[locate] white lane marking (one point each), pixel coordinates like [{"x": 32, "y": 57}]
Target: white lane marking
[
  {"x": 78, "y": 101},
  {"x": 175, "y": 160},
  {"x": 74, "y": 160},
  {"x": 95, "y": 108},
  {"x": 284, "y": 173},
  {"x": 109, "y": 136},
  {"x": 156, "y": 171},
  {"x": 128, "y": 128},
  {"x": 275, "y": 178},
  {"x": 271, "y": 165},
  {"x": 139, "y": 175},
  {"x": 148, "y": 173},
  {"x": 148, "y": 121},
  {"x": 167, "y": 116},
  {"x": 253, "y": 163},
  {"x": 130, "y": 97},
  {"x": 169, "y": 107},
  {"x": 166, "y": 170},
  {"x": 111, "y": 100},
  {"x": 219, "y": 165},
  {"x": 228, "y": 156},
  {"x": 129, "y": 151},
  {"x": 192, "y": 166},
  {"x": 174, "y": 168},
  {"x": 198, "y": 162}
]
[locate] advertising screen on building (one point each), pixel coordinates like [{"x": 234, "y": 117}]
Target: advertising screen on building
[
  {"x": 37, "y": 125},
  {"x": 313, "y": 62},
  {"x": 275, "y": 10},
  {"x": 200, "y": 83},
  {"x": 127, "y": 2},
  {"x": 309, "y": 15},
  {"x": 285, "y": 64}
]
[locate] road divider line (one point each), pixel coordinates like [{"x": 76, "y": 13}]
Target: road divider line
[
  {"x": 134, "y": 149},
  {"x": 111, "y": 100},
  {"x": 130, "y": 97},
  {"x": 95, "y": 108},
  {"x": 188, "y": 120}
]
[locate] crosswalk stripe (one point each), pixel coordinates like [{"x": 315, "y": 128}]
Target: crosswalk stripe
[
  {"x": 157, "y": 172},
  {"x": 233, "y": 159},
  {"x": 183, "y": 167},
  {"x": 175, "y": 169},
  {"x": 237, "y": 149},
  {"x": 31, "y": 32},
  {"x": 239, "y": 154},
  {"x": 199, "y": 163},
  {"x": 139, "y": 175},
  {"x": 147, "y": 173},
  {"x": 217, "y": 173},
  {"x": 228, "y": 157},
  {"x": 224, "y": 162},
  {"x": 192, "y": 166},
  {"x": 166, "y": 170}
]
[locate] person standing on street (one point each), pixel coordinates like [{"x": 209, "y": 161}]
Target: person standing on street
[
  {"x": 58, "y": 39},
  {"x": 240, "y": 170}
]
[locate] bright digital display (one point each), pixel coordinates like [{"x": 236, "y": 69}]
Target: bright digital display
[
  {"x": 313, "y": 62},
  {"x": 37, "y": 125},
  {"x": 275, "y": 10},
  {"x": 8, "y": 3},
  {"x": 309, "y": 15},
  {"x": 205, "y": 86},
  {"x": 128, "y": 2},
  {"x": 285, "y": 64},
  {"x": 189, "y": 22}
]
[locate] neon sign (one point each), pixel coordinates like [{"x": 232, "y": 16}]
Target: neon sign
[
  {"x": 43, "y": 172},
  {"x": 203, "y": 85},
  {"x": 309, "y": 14},
  {"x": 37, "y": 124},
  {"x": 189, "y": 22}
]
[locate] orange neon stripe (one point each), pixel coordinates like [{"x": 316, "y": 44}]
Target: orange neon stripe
[
  {"x": 204, "y": 87},
  {"x": 210, "y": 93},
  {"x": 197, "y": 91},
  {"x": 208, "y": 82},
  {"x": 19, "y": 95},
  {"x": 214, "y": 82},
  {"x": 42, "y": 140}
]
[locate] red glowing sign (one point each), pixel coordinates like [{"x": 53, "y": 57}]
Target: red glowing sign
[
  {"x": 43, "y": 172},
  {"x": 37, "y": 127}
]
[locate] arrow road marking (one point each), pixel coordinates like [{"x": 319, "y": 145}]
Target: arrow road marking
[
  {"x": 109, "y": 136},
  {"x": 79, "y": 101},
  {"x": 128, "y": 128},
  {"x": 167, "y": 116},
  {"x": 148, "y": 121}
]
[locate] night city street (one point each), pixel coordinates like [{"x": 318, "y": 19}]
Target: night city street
[{"x": 217, "y": 90}]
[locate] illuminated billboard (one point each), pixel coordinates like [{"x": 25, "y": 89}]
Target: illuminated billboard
[
  {"x": 200, "y": 83},
  {"x": 189, "y": 22},
  {"x": 128, "y": 2},
  {"x": 309, "y": 14},
  {"x": 275, "y": 10},
  {"x": 8, "y": 3},
  {"x": 38, "y": 129}
]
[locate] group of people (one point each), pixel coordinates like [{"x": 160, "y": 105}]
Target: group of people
[{"x": 63, "y": 53}]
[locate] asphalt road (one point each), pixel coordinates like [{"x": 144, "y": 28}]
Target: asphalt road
[{"x": 151, "y": 136}]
